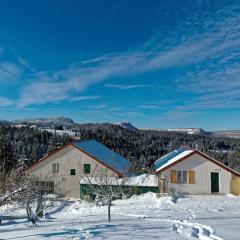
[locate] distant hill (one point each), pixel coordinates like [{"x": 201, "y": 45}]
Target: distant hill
[
  {"x": 127, "y": 125},
  {"x": 69, "y": 124},
  {"x": 187, "y": 130},
  {"x": 47, "y": 122},
  {"x": 2, "y": 121},
  {"x": 226, "y": 133},
  {"x": 201, "y": 132}
]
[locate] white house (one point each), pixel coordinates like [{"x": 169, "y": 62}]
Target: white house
[
  {"x": 67, "y": 166},
  {"x": 193, "y": 172}
]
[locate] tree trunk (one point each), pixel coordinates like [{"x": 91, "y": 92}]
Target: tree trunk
[
  {"x": 28, "y": 213},
  {"x": 109, "y": 210}
]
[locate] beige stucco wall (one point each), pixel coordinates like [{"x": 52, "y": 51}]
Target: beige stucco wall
[
  {"x": 203, "y": 169},
  {"x": 68, "y": 158}
]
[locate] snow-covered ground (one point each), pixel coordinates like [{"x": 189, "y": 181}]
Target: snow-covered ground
[{"x": 140, "y": 217}]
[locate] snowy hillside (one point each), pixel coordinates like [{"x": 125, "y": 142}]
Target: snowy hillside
[
  {"x": 140, "y": 217},
  {"x": 59, "y": 132},
  {"x": 187, "y": 130},
  {"x": 127, "y": 125},
  {"x": 51, "y": 121}
]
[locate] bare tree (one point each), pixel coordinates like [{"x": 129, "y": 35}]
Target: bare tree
[
  {"x": 11, "y": 184},
  {"x": 105, "y": 185},
  {"x": 38, "y": 196}
]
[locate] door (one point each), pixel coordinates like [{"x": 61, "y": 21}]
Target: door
[{"x": 215, "y": 182}]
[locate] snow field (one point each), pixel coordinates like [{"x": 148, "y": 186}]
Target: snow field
[{"x": 139, "y": 217}]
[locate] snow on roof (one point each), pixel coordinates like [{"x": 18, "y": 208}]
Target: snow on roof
[
  {"x": 148, "y": 180},
  {"x": 172, "y": 157},
  {"x": 144, "y": 180},
  {"x": 105, "y": 155}
]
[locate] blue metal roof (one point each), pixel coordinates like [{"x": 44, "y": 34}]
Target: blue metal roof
[
  {"x": 163, "y": 160},
  {"x": 105, "y": 155}
]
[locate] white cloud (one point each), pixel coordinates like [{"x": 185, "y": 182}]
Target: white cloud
[
  {"x": 208, "y": 47},
  {"x": 128, "y": 86},
  {"x": 22, "y": 61},
  {"x": 98, "y": 107},
  {"x": 215, "y": 46},
  {"x": 150, "y": 107},
  {"x": 9, "y": 71},
  {"x": 82, "y": 98}
]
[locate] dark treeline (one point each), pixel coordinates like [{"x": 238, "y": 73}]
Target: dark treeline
[
  {"x": 21, "y": 146},
  {"x": 143, "y": 147}
]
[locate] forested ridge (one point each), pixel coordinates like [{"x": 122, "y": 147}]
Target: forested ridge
[
  {"x": 21, "y": 146},
  {"x": 143, "y": 147}
]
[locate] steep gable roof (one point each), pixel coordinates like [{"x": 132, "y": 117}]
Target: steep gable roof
[
  {"x": 105, "y": 155},
  {"x": 182, "y": 154},
  {"x": 172, "y": 157},
  {"x": 99, "y": 153}
]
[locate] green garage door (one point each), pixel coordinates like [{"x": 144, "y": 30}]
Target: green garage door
[{"x": 215, "y": 182}]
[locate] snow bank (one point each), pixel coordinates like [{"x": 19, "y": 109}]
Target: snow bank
[{"x": 145, "y": 196}]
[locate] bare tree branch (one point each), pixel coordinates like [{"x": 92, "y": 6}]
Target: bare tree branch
[{"x": 105, "y": 185}]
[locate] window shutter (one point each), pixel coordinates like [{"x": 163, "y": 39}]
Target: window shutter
[
  {"x": 173, "y": 176},
  {"x": 191, "y": 177}
]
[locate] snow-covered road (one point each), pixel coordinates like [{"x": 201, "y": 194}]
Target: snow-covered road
[{"x": 140, "y": 217}]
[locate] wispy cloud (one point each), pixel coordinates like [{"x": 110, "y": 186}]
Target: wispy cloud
[
  {"x": 9, "y": 71},
  {"x": 83, "y": 98},
  {"x": 150, "y": 107},
  {"x": 98, "y": 107},
  {"x": 215, "y": 48},
  {"x": 128, "y": 86},
  {"x": 23, "y": 61}
]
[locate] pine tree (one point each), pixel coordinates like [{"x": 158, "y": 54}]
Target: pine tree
[{"x": 53, "y": 143}]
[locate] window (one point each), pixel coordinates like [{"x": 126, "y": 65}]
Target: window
[
  {"x": 184, "y": 176},
  {"x": 87, "y": 168},
  {"x": 72, "y": 172},
  {"x": 181, "y": 176},
  {"x": 55, "y": 167},
  {"x": 45, "y": 187}
]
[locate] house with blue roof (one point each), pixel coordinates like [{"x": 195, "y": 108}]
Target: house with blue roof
[
  {"x": 69, "y": 164},
  {"x": 191, "y": 171}
]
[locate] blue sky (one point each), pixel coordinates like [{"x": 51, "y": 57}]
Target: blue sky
[{"x": 155, "y": 63}]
